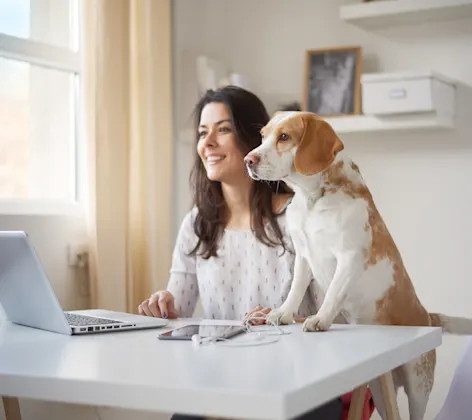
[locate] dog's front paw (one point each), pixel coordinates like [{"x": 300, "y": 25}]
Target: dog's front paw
[
  {"x": 316, "y": 323},
  {"x": 279, "y": 317}
]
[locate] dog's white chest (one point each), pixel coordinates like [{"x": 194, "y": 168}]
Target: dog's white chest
[
  {"x": 311, "y": 229},
  {"x": 303, "y": 224},
  {"x": 311, "y": 226},
  {"x": 317, "y": 232},
  {"x": 296, "y": 221}
]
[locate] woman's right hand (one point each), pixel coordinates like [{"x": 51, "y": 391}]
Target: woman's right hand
[{"x": 160, "y": 305}]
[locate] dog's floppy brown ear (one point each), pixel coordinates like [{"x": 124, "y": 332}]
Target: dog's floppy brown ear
[{"x": 318, "y": 146}]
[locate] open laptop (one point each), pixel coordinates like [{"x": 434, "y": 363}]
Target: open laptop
[{"x": 28, "y": 298}]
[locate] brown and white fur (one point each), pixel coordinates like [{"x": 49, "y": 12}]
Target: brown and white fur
[{"x": 339, "y": 234}]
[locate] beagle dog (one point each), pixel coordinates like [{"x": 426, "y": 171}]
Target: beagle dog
[{"x": 339, "y": 235}]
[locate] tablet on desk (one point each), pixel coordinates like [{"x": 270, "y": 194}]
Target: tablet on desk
[{"x": 222, "y": 332}]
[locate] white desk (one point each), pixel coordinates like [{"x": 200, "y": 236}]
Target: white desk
[{"x": 135, "y": 370}]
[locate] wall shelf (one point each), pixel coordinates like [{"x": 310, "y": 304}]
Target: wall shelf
[
  {"x": 402, "y": 122},
  {"x": 390, "y": 13}
]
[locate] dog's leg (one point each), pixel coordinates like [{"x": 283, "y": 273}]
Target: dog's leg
[
  {"x": 301, "y": 281},
  {"x": 349, "y": 269},
  {"x": 417, "y": 377}
]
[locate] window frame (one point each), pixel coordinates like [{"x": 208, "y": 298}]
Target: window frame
[{"x": 64, "y": 59}]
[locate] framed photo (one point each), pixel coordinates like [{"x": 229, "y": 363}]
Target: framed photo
[{"x": 333, "y": 81}]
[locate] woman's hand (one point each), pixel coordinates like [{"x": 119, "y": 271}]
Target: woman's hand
[
  {"x": 257, "y": 316},
  {"x": 160, "y": 305}
]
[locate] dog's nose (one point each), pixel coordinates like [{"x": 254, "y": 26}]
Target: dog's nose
[{"x": 252, "y": 159}]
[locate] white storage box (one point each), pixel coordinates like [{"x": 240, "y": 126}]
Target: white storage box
[{"x": 400, "y": 93}]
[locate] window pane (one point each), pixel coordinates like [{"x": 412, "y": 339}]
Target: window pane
[
  {"x": 50, "y": 21},
  {"x": 37, "y": 136},
  {"x": 15, "y": 17}
]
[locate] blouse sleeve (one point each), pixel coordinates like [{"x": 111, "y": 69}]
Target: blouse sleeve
[{"x": 183, "y": 274}]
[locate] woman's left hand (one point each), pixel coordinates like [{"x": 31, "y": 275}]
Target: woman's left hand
[{"x": 257, "y": 316}]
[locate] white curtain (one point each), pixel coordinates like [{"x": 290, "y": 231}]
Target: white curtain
[{"x": 128, "y": 103}]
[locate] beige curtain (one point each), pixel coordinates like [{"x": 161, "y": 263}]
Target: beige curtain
[{"x": 127, "y": 109}]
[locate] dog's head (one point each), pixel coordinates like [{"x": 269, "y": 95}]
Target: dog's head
[{"x": 293, "y": 142}]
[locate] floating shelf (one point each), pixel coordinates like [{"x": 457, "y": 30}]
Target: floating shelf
[
  {"x": 389, "y": 13},
  {"x": 406, "y": 122}
]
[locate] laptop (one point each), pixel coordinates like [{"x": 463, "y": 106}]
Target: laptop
[{"x": 28, "y": 299}]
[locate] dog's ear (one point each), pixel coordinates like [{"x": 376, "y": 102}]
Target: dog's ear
[{"x": 318, "y": 146}]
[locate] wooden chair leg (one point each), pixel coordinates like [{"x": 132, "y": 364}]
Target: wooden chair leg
[
  {"x": 357, "y": 403},
  {"x": 12, "y": 408},
  {"x": 389, "y": 396}
]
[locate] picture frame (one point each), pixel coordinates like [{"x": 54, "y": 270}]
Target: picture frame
[{"x": 332, "y": 85}]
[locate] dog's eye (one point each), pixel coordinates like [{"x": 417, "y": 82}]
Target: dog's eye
[{"x": 283, "y": 137}]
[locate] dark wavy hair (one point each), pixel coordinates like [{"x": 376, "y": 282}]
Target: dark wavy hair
[{"x": 248, "y": 115}]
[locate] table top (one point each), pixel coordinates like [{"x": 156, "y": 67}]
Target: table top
[{"x": 135, "y": 370}]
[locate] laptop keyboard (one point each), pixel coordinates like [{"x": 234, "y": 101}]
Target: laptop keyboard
[{"x": 80, "y": 320}]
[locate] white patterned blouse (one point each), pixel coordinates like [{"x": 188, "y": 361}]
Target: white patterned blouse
[{"x": 246, "y": 273}]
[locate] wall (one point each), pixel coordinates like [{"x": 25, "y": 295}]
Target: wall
[{"x": 420, "y": 182}]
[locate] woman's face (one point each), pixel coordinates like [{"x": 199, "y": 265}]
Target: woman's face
[{"x": 218, "y": 147}]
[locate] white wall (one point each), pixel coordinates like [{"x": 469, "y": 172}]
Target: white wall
[{"x": 420, "y": 182}]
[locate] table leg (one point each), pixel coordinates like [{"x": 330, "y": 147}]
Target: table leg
[
  {"x": 357, "y": 403},
  {"x": 389, "y": 396},
  {"x": 12, "y": 408}
]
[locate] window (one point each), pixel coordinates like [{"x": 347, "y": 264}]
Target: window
[{"x": 39, "y": 77}]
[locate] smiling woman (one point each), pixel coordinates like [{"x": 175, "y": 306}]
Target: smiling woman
[{"x": 232, "y": 250}]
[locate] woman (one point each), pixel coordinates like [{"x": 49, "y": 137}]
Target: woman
[{"x": 232, "y": 249}]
